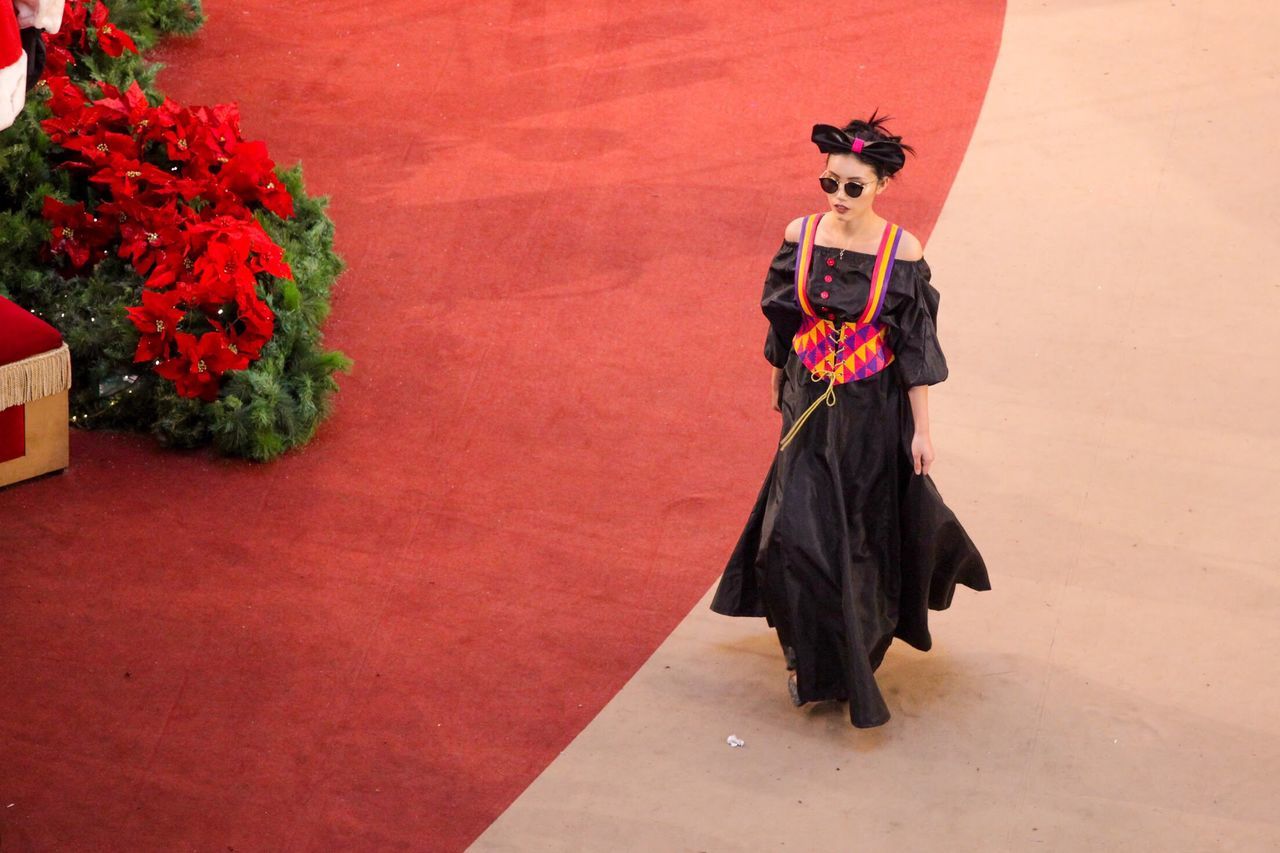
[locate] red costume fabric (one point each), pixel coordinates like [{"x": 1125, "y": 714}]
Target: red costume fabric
[{"x": 14, "y": 17}]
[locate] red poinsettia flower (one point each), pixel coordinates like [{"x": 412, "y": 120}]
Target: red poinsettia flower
[
  {"x": 159, "y": 119},
  {"x": 250, "y": 174},
  {"x": 73, "y": 115},
  {"x": 112, "y": 40},
  {"x": 254, "y": 325},
  {"x": 200, "y": 174},
  {"x": 126, "y": 177},
  {"x": 222, "y": 271},
  {"x": 185, "y": 134},
  {"x": 76, "y": 233},
  {"x": 211, "y": 292},
  {"x": 148, "y": 234},
  {"x": 65, "y": 96},
  {"x": 71, "y": 38},
  {"x": 173, "y": 266},
  {"x": 57, "y": 57},
  {"x": 72, "y": 125},
  {"x": 224, "y": 128},
  {"x": 75, "y": 23},
  {"x": 128, "y": 108},
  {"x": 243, "y": 241},
  {"x": 58, "y": 128},
  {"x": 241, "y": 359},
  {"x": 157, "y": 318},
  {"x": 198, "y": 367},
  {"x": 268, "y": 256},
  {"x": 223, "y": 203},
  {"x": 100, "y": 147}
]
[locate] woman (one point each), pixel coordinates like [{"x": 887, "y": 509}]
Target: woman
[{"x": 849, "y": 543}]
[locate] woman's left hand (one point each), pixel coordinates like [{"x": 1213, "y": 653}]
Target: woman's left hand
[{"x": 922, "y": 452}]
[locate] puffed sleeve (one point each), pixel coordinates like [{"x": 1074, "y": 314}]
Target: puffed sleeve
[
  {"x": 914, "y": 327},
  {"x": 779, "y": 305}
]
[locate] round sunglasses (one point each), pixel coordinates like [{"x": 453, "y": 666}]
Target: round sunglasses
[{"x": 853, "y": 189}]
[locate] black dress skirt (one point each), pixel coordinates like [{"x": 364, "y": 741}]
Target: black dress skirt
[{"x": 846, "y": 546}]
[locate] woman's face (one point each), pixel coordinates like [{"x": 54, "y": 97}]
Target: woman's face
[{"x": 844, "y": 168}]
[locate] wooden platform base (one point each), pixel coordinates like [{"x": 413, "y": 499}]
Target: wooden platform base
[{"x": 48, "y": 441}]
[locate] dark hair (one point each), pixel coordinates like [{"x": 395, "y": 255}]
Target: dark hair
[{"x": 885, "y": 158}]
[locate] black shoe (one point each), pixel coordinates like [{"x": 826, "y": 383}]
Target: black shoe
[{"x": 794, "y": 690}]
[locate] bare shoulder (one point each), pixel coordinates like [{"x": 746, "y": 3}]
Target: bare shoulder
[
  {"x": 792, "y": 233},
  {"x": 909, "y": 248}
]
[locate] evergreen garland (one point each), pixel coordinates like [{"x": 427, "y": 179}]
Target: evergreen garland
[{"x": 274, "y": 404}]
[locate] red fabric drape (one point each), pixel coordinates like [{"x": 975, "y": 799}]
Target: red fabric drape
[
  {"x": 13, "y": 433},
  {"x": 23, "y": 334}
]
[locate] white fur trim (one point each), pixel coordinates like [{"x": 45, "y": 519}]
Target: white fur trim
[
  {"x": 44, "y": 14},
  {"x": 13, "y": 90}
]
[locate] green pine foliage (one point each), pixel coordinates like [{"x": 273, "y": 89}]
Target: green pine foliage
[
  {"x": 275, "y": 404},
  {"x": 149, "y": 20}
]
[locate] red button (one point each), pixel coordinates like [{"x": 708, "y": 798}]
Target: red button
[
  {"x": 825, "y": 294},
  {"x": 826, "y": 278},
  {"x": 831, "y": 262}
]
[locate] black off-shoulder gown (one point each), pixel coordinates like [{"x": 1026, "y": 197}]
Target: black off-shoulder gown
[{"x": 846, "y": 546}]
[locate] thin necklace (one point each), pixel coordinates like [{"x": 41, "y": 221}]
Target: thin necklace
[{"x": 842, "y": 251}]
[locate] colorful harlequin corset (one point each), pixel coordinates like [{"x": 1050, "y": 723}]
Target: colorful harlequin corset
[
  {"x": 852, "y": 350},
  {"x": 847, "y": 351}
]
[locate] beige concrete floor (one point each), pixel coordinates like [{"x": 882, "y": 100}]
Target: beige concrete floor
[{"x": 1108, "y": 439}]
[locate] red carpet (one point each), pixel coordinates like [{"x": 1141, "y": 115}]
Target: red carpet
[{"x": 557, "y": 219}]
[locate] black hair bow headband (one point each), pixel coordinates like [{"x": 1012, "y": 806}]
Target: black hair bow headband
[{"x": 833, "y": 140}]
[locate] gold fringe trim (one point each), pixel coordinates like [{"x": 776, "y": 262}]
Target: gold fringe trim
[{"x": 41, "y": 375}]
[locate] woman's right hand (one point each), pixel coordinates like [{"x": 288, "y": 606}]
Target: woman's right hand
[{"x": 779, "y": 376}]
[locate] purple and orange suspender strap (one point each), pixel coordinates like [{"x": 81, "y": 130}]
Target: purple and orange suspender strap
[
  {"x": 804, "y": 260},
  {"x": 879, "y": 273}
]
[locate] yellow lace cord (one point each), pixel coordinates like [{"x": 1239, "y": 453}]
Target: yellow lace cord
[{"x": 828, "y": 395}]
